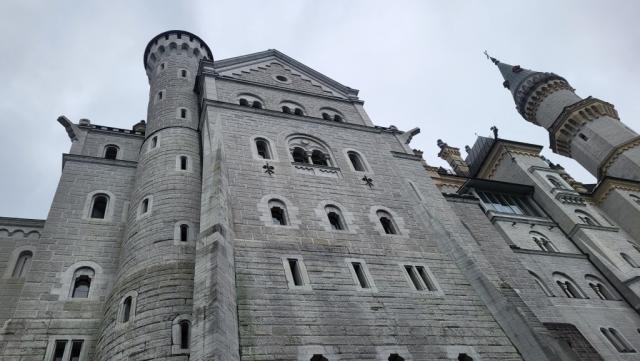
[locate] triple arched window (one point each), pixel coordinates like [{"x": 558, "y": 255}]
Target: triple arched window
[
  {"x": 307, "y": 150},
  {"x": 543, "y": 242},
  {"x": 586, "y": 218},
  {"x": 599, "y": 288},
  {"x": 568, "y": 287}
]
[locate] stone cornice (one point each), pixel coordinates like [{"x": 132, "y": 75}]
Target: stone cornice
[
  {"x": 304, "y": 118},
  {"x": 569, "y": 197},
  {"x": 95, "y": 160},
  {"x": 22, "y": 222},
  {"x": 608, "y": 184},
  {"x": 539, "y": 92},
  {"x": 514, "y": 218},
  {"x": 552, "y": 254},
  {"x": 579, "y": 226},
  {"x": 406, "y": 156},
  {"x": 571, "y": 120},
  {"x": 615, "y": 153},
  {"x": 111, "y": 130}
]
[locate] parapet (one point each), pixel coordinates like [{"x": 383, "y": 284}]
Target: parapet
[{"x": 175, "y": 39}]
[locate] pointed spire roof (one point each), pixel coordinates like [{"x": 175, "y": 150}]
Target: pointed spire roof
[{"x": 522, "y": 82}]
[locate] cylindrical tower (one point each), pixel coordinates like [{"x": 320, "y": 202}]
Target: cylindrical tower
[
  {"x": 152, "y": 295},
  {"x": 587, "y": 130}
]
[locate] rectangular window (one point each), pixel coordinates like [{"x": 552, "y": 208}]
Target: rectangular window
[
  {"x": 76, "y": 350},
  {"x": 183, "y": 113},
  {"x": 58, "y": 352},
  {"x": 296, "y": 273},
  {"x": 360, "y": 274},
  {"x": 508, "y": 203},
  {"x": 420, "y": 278},
  {"x": 183, "y": 163}
]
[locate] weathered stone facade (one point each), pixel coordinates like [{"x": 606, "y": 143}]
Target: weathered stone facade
[{"x": 259, "y": 214}]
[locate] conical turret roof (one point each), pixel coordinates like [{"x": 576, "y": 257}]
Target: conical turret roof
[{"x": 523, "y": 82}]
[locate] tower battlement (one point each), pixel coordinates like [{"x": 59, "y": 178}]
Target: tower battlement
[{"x": 174, "y": 40}]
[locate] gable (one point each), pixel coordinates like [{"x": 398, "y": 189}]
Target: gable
[{"x": 276, "y": 69}]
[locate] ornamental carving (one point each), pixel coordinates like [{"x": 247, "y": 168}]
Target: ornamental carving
[
  {"x": 615, "y": 154},
  {"x": 539, "y": 94},
  {"x": 573, "y": 118},
  {"x": 528, "y": 88}
]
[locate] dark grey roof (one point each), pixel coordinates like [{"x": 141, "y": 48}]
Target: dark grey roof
[
  {"x": 478, "y": 153},
  {"x": 522, "y": 82},
  {"x": 219, "y": 64}
]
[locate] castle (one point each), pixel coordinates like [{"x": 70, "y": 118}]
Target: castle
[{"x": 259, "y": 214}]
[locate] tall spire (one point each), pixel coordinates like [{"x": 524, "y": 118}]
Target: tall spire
[{"x": 523, "y": 82}]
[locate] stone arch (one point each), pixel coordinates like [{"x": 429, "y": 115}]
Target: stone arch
[
  {"x": 264, "y": 210},
  {"x": 347, "y": 217},
  {"x": 108, "y": 215},
  {"x": 270, "y": 144},
  {"x": 13, "y": 258},
  {"x": 397, "y": 221},
  {"x": 311, "y": 145},
  {"x": 347, "y": 154},
  {"x": 98, "y": 284}
]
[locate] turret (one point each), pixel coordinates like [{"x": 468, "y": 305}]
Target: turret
[
  {"x": 157, "y": 251},
  {"x": 587, "y": 130},
  {"x": 452, "y": 156}
]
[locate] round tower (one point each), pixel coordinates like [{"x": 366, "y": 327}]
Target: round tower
[
  {"x": 153, "y": 291},
  {"x": 587, "y": 130}
]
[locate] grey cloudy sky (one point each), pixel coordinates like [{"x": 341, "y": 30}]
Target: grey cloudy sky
[{"x": 416, "y": 63}]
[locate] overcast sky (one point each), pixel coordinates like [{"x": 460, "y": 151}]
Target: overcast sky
[{"x": 416, "y": 63}]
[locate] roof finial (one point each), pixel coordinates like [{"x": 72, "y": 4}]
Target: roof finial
[
  {"x": 494, "y": 129},
  {"x": 493, "y": 60}
]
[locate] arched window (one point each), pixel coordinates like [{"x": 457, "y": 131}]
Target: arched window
[
  {"x": 299, "y": 155},
  {"x": 278, "y": 212},
  {"x": 184, "y": 334},
  {"x": 335, "y": 218},
  {"x": 542, "y": 242},
  {"x": 586, "y": 218},
  {"x": 126, "y": 309},
  {"x": 256, "y": 104},
  {"x": 298, "y": 111},
  {"x": 286, "y": 109},
  {"x": 326, "y": 116},
  {"x": 356, "y": 161},
  {"x": 464, "y": 357},
  {"x": 154, "y": 142},
  {"x": 567, "y": 286},
  {"x": 629, "y": 260},
  {"x": 263, "y": 149},
  {"x": 337, "y": 118},
  {"x": 81, "y": 285},
  {"x": 306, "y": 149},
  {"x": 319, "y": 158},
  {"x": 99, "y": 206},
  {"x": 541, "y": 284},
  {"x": 144, "y": 206},
  {"x": 395, "y": 357},
  {"x": 617, "y": 340},
  {"x": 599, "y": 288},
  {"x": 23, "y": 263},
  {"x": 111, "y": 152},
  {"x": 331, "y": 114},
  {"x": 184, "y": 233},
  {"x": 555, "y": 182},
  {"x": 183, "y": 113},
  {"x": 388, "y": 225},
  {"x": 243, "y": 102},
  {"x": 318, "y": 357}
]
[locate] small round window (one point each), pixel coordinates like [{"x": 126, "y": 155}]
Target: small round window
[{"x": 282, "y": 78}]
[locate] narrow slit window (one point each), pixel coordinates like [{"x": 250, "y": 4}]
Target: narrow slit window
[
  {"x": 160, "y": 95},
  {"x": 183, "y": 162},
  {"x": 126, "y": 309},
  {"x": 58, "y": 351},
  {"x": 76, "y": 350},
  {"x": 183, "y": 113},
  {"x": 145, "y": 205},
  {"x": 22, "y": 264},
  {"x": 425, "y": 278},
  {"x": 360, "y": 274},
  {"x": 294, "y": 267},
  {"x": 154, "y": 142},
  {"x": 184, "y": 233},
  {"x": 184, "y": 334},
  {"x": 183, "y": 73}
]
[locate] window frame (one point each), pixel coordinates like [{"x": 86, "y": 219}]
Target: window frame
[
  {"x": 69, "y": 339},
  {"x": 437, "y": 290},
  {"x": 106, "y": 148},
  {"x": 176, "y": 335},
  {"x": 363, "y": 275},
  {"x": 302, "y": 270}
]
